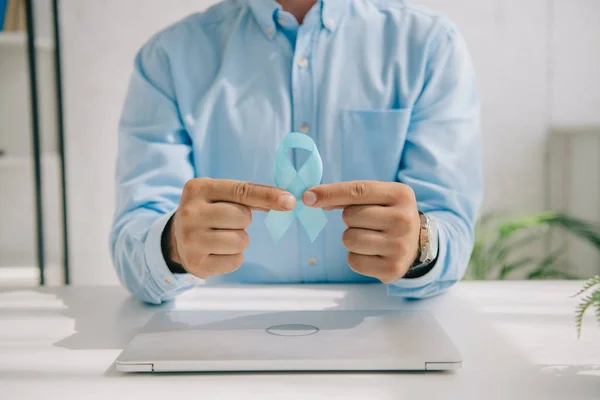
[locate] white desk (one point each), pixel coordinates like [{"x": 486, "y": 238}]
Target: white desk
[{"x": 517, "y": 340}]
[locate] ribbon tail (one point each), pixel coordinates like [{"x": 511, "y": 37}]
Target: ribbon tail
[
  {"x": 313, "y": 220},
  {"x": 278, "y": 223}
]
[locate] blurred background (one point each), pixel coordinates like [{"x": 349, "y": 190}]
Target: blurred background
[{"x": 63, "y": 79}]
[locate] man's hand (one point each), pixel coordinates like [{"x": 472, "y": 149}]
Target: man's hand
[
  {"x": 383, "y": 224},
  {"x": 208, "y": 233}
]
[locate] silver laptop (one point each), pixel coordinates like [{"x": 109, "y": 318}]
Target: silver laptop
[{"x": 335, "y": 340}]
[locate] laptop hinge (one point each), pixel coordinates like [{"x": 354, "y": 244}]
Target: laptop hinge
[
  {"x": 442, "y": 366},
  {"x": 149, "y": 367}
]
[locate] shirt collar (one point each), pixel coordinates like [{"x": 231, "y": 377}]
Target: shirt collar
[
  {"x": 264, "y": 11},
  {"x": 332, "y": 12}
]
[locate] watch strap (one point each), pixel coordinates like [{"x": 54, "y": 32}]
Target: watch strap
[
  {"x": 419, "y": 269},
  {"x": 174, "y": 267}
]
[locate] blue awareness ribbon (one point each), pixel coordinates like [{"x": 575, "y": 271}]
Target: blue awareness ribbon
[{"x": 297, "y": 182}]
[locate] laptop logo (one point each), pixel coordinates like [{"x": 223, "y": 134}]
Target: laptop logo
[{"x": 292, "y": 330}]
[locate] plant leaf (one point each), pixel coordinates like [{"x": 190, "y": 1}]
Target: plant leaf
[
  {"x": 506, "y": 269},
  {"x": 586, "y": 302},
  {"x": 566, "y": 275},
  {"x": 503, "y": 248},
  {"x": 510, "y": 227},
  {"x": 497, "y": 240},
  {"x": 588, "y": 285},
  {"x": 477, "y": 264},
  {"x": 545, "y": 267},
  {"x": 548, "y": 274},
  {"x": 583, "y": 229}
]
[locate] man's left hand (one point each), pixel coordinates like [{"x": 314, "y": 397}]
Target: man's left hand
[{"x": 383, "y": 224}]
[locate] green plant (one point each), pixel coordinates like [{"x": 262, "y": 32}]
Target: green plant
[
  {"x": 588, "y": 301},
  {"x": 503, "y": 245}
]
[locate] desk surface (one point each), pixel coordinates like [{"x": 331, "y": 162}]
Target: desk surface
[{"x": 517, "y": 340}]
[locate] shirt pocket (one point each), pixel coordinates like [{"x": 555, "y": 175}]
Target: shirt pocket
[{"x": 372, "y": 143}]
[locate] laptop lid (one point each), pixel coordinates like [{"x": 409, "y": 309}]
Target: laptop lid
[{"x": 330, "y": 340}]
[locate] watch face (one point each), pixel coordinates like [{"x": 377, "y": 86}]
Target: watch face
[
  {"x": 433, "y": 239},
  {"x": 433, "y": 235},
  {"x": 430, "y": 250}
]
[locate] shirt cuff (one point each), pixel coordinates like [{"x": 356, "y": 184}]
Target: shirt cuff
[
  {"x": 165, "y": 283},
  {"x": 408, "y": 287}
]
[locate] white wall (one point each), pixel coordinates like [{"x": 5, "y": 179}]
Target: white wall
[
  {"x": 537, "y": 62},
  {"x": 43, "y": 18},
  {"x": 575, "y": 54}
]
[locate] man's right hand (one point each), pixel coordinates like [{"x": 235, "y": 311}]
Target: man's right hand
[{"x": 208, "y": 233}]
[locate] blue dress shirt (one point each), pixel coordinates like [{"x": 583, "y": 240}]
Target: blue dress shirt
[{"x": 385, "y": 89}]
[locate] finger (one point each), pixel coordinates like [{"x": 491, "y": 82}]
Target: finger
[
  {"x": 216, "y": 264},
  {"x": 249, "y": 194},
  {"x": 227, "y": 216},
  {"x": 374, "y": 266},
  {"x": 368, "y": 217},
  {"x": 224, "y": 242},
  {"x": 366, "y": 265},
  {"x": 366, "y": 242},
  {"x": 354, "y": 193}
]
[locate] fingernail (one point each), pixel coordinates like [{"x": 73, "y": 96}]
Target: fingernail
[
  {"x": 309, "y": 198},
  {"x": 287, "y": 201}
]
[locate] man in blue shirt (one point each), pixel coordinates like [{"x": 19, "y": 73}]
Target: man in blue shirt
[{"x": 385, "y": 89}]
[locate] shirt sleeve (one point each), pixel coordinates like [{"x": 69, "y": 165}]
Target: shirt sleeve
[
  {"x": 153, "y": 164},
  {"x": 442, "y": 162}
]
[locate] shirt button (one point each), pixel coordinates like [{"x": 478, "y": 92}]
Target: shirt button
[
  {"x": 312, "y": 261},
  {"x": 282, "y": 21},
  {"x": 302, "y": 62},
  {"x": 269, "y": 31},
  {"x": 304, "y": 128},
  {"x": 329, "y": 23},
  {"x": 168, "y": 281}
]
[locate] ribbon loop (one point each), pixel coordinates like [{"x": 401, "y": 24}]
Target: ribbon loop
[{"x": 313, "y": 220}]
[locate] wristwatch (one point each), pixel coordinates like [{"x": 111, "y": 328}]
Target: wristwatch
[{"x": 428, "y": 248}]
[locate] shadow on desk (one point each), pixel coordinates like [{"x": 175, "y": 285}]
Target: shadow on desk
[
  {"x": 108, "y": 318},
  {"x": 99, "y": 318},
  {"x": 105, "y": 322}
]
